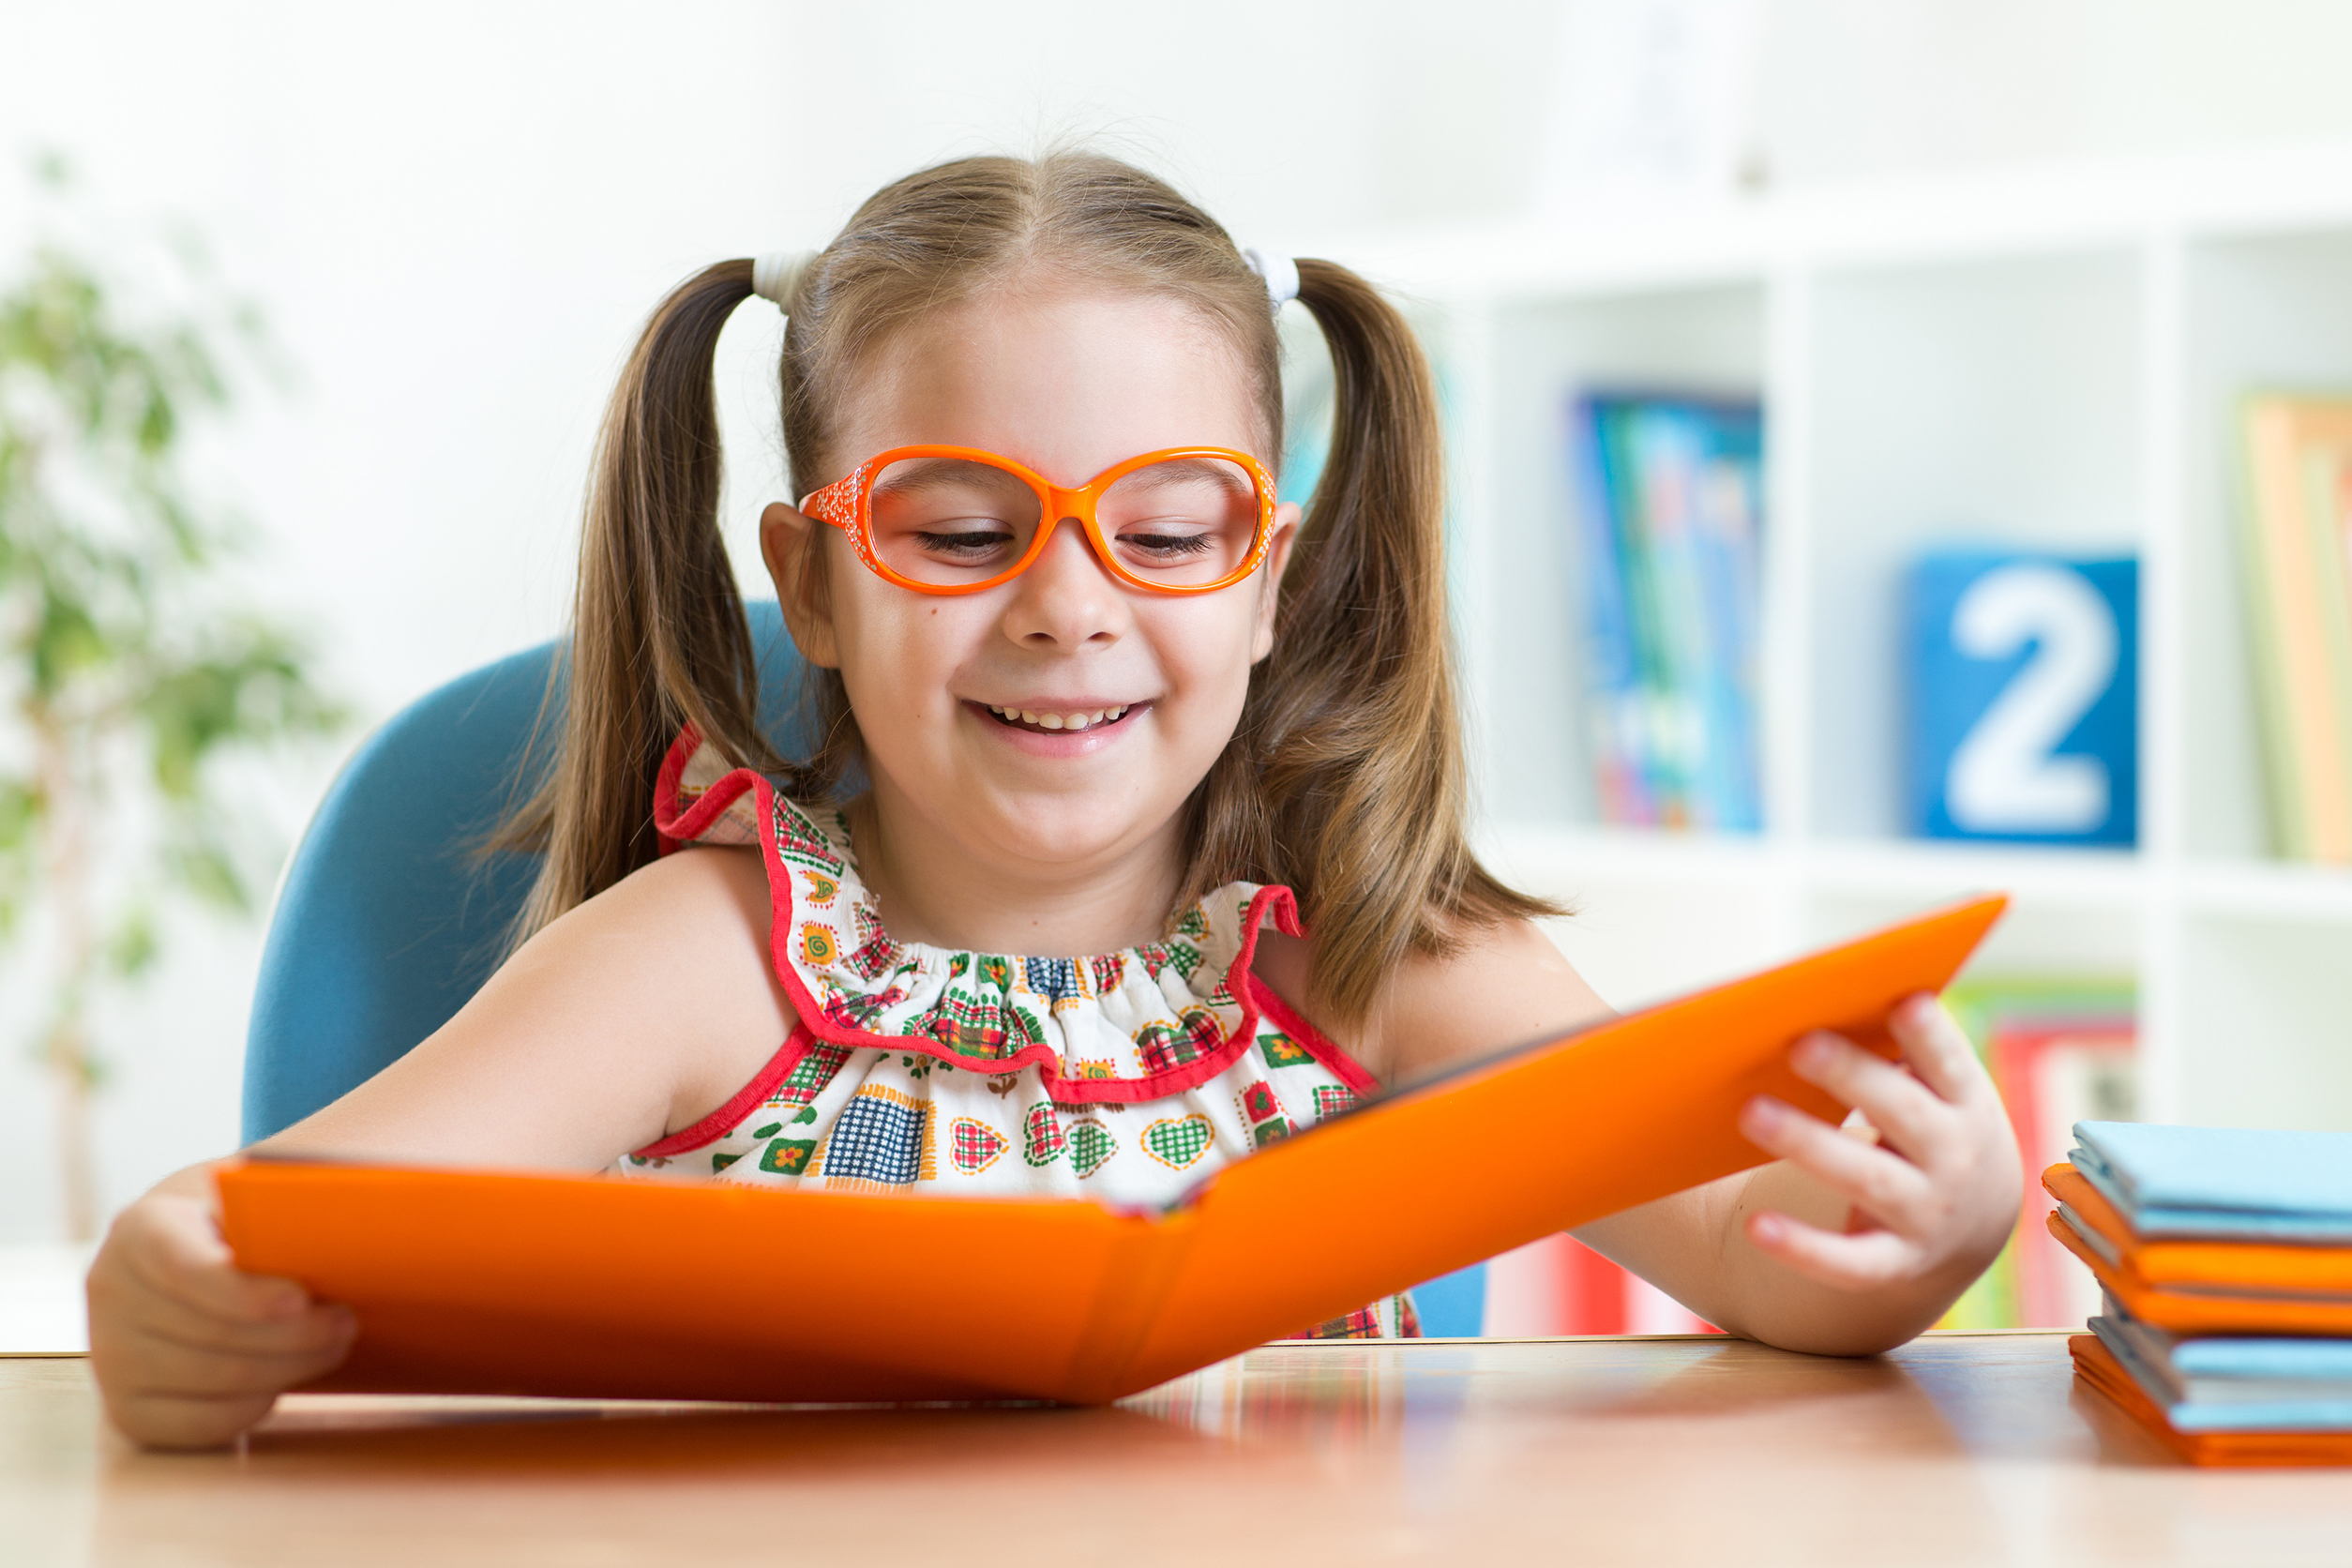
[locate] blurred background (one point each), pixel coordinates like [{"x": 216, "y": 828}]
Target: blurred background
[{"x": 1951, "y": 253}]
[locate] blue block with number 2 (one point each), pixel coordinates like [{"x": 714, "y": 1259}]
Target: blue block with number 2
[{"x": 2023, "y": 676}]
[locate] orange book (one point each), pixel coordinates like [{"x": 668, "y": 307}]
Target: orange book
[
  {"x": 2236, "y": 1266},
  {"x": 2096, "y": 1366},
  {"x": 491, "y": 1282},
  {"x": 2198, "y": 1308}
]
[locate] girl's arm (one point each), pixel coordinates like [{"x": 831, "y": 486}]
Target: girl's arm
[
  {"x": 633, "y": 1016},
  {"x": 1841, "y": 1247}
]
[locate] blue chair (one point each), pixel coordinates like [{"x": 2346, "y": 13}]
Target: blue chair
[{"x": 388, "y": 922}]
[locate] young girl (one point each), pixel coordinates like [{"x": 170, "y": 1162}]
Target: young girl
[{"x": 1135, "y": 840}]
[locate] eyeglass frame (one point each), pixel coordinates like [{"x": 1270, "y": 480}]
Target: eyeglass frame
[{"x": 847, "y": 504}]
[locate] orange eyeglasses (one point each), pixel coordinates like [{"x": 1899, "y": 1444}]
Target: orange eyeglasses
[{"x": 954, "y": 519}]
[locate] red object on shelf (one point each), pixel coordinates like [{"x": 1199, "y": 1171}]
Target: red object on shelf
[{"x": 1561, "y": 1286}]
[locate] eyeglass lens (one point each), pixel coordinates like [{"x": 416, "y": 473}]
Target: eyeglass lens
[{"x": 1183, "y": 521}]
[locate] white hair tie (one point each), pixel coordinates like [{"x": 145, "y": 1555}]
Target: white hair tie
[
  {"x": 1279, "y": 271},
  {"x": 775, "y": 276}
]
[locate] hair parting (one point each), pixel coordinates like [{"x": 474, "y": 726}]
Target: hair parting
[{"x": 1345, "y": 778}]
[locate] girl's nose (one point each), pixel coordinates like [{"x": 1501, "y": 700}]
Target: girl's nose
[{"x": 1066, "y": 599}]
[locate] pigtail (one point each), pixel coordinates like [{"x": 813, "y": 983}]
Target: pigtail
[
  {"x": 658, "y": 637},
  {"x": 1352, "y": 727}
]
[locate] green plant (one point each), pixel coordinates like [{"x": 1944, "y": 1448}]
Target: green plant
[{"x": 129, "y": 669}]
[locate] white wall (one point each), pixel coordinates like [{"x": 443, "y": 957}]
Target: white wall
[{"x": 457, "y": 215}]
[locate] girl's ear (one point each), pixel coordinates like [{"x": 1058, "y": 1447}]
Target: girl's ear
[
  {"x": 793, "y": 566},
  {"x": 1286, "y": 534}
]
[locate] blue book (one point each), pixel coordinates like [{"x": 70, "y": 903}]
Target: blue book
[
  {"x": 2202, "y": 1402},
  {"x": 1669, "y": 539},
  {"x": 2223, "y": 1182},
  {"x": 1611, "y": 672}
]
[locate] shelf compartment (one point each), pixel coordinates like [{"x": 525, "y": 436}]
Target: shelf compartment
[{"x": 1983, "y": 403}]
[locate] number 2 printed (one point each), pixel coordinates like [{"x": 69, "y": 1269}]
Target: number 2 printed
[{"x": 2005, "y": 776}]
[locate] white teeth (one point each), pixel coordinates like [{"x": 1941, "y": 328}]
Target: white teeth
[{"x": 1060, "y": 721}]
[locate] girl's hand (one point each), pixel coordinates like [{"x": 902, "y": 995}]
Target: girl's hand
[
  {"x": 188, "y": 1352},
  {"x": 1934, "y": 1198}
]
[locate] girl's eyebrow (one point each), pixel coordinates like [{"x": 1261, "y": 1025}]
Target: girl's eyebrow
[
  {"x": 1174, "y": 470},
  {"x": 916, "y": 474}
]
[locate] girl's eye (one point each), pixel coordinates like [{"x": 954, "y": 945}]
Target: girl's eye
[
  {"x": 1166, "y": 546},
  {"x": 963, "y": 544}
]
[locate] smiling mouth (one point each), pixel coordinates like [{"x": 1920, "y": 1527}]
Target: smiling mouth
[{"x": 1038, "y": 722}]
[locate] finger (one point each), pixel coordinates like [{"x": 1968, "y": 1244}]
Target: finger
[
  {"x": 314, "y": 1331},
  {"x": 1905, "y": 1112},
  {"x": 1938, "y": 1050},
  {"x": 1889, "y": 1188},
  {"x": 175, "y": 1251},
  {"x": 1855, "y": 1262},
  {"x": 161, "y": 1367}
]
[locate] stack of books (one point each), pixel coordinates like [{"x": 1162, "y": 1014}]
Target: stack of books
[
  {"x": 2225, "y": 1258},
  {"x": 1670, "y": 537}
]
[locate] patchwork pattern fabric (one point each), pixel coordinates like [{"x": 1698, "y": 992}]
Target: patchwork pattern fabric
[
  {"x": 1091, "y": 1148},
  {"x": 881, "y": 1137},
  {"x": 975, "y": 1146},
  {"x": 1178, "y": 1142},
  {"x": 1042, "y": 1139},
  {"x": 1390, "y": 1317},
  {"x": 1124, "y": 1077}
]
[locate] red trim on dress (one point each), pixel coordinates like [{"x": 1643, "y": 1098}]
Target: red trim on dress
[
  {"x": 1285, "y": 1018},
  {"x": 1255, "y": 1000},
  {"x": 736, "y": 1111},
  {"x": 675, "y": 827}
]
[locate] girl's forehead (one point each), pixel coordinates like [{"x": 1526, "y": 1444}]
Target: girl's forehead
[{"x": 1068, "y": 383}]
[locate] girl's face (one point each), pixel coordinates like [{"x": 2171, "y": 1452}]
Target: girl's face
[{"x": 1067, "y": 385}]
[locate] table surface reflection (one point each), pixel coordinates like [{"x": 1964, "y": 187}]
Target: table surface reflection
[{"x": 1956, "y": 1449}]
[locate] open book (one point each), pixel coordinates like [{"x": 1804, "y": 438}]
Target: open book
[{"x": 491, "y": 1282}]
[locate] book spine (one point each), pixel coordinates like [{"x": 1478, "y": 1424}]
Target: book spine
[
  {"x": 2324, "y": 495},
  {"x": 1612, "y": 685},
  {"x": 2281, "y": 618}
]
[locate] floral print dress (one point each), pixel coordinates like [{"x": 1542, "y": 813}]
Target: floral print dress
[{"x": 1126, "y": 1077}]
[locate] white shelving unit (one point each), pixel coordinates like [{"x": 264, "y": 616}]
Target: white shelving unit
[{"x": 2047, "y": 360}]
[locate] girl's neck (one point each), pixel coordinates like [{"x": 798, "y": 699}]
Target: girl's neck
[{"x": 933, "y": 887}]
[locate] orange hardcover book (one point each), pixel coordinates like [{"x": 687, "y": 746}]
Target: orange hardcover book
[
  {"x": 2238, "y": 1266},
  {"x": 2197, "y": 1308},
  {"x": 2096, "y": 1366},
  {"x": 496, "y": 1282}
]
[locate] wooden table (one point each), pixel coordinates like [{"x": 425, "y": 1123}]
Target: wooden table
[{"x": 1958, "y": 1449}]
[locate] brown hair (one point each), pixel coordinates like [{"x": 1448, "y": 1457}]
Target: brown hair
[{"x": 1345, "y": 778}]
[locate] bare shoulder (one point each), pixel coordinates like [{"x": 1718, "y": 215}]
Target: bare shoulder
[
  {"x": 1501, "y": 984},
  {"x": 681, "y": 947},
  {"x": 632, "y": 1015}
]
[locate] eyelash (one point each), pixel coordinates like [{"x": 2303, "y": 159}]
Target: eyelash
[
  {"x": 971, "y": 541},
  {"x": 1169, "y": 544}
]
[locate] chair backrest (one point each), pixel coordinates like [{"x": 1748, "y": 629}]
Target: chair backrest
[{"x": 386, "y": 922}]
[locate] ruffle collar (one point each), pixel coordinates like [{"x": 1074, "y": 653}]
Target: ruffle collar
[{"x": 1133, "y": 1025}]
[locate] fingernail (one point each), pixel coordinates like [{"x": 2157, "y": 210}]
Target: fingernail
[
  {"x": 1762, "y": 1114},
  {"x": 1765, "y": 1228},
  {"x": 1813, "y": 1053}
]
